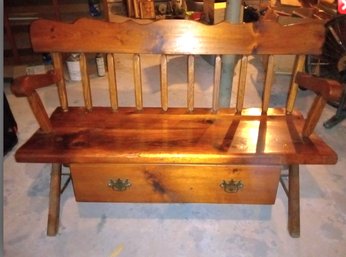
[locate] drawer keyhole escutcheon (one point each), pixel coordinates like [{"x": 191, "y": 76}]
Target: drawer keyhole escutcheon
[
  {"x": 232, "y": 186},
  {"x": 119, "y": 184}
]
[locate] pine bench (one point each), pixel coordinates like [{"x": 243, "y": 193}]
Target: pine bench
[{"x": 176, "y": 155}]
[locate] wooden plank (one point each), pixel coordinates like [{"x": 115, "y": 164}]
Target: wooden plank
[
  {"x": 177, "y": 37},
  {"x": 59, "y": 69},
  {"x": 138, "y": 81},
  {"x": 268, "y": 83},
  {"x": 105, "y": 136},
  {"x": 217, "y": 81},
  {"x": 164, "y": 82},
  {"x": 191, "y": 82},
  {"x": 112, "y": 82},
  {"x": 175, "y": 183},
  {"x": 85, "y": 82},
  {"x": 241, "y": 84}
]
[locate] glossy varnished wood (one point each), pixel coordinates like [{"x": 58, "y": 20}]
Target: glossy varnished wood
[
  {"x": 268, "y": 83},
  {"x": 54, "y": 200},
  {"x": 26, "y": 85},
  {"x": 112, "y": 81},
  {"x": 59, "y": 69},
  {"x": 191, "y": 81},
  {"x": 175, "y": 136},
  {"x": 85, "y": 82},
  {"x": 217, "y": 81},
  {"x": 241, "y": 84},
  {"x": 137, "y": 71},
  {"x": 164, "y": 82},
  {"x": 175, "y": 183},
  {"x": 293, "y": 201},
  {"x": 176, "y": 154},
  {"x": 176, "y": 37},
  {"x": 292, "y": 95},
  {"x": 40, "y": 112}
]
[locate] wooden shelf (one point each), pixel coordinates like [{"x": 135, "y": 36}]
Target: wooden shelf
[{"x": 19, "y": 15}]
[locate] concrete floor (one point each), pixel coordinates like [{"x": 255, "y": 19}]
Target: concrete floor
[{"x": 102, "y": 229}]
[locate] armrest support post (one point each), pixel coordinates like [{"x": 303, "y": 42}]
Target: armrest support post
[
  {"x": 313, "y": 115},
  {"x": 40, "y": 112}
]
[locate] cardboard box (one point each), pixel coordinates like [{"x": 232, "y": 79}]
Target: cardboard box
[{"x": 214, "y": 12}]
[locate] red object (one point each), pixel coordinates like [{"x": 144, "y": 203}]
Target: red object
[
  {"x": 342, "y": 6},
  {"x": 197, "y": 16}
]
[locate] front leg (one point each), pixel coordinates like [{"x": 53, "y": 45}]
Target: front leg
[
  {"x": 54, "y": 200},
  {"x": 293, "y": 201}
]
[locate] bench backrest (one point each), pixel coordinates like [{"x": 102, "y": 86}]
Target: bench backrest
[{"x": 177, "y": 37}]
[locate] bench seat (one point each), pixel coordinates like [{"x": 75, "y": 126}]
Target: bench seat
[{"x": 175, "y": 136}]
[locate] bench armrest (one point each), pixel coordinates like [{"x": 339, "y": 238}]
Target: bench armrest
[
  {"x": 325, "y": 89},
  {"x": 330, "y": 90},
  {"x": 26, "y": 85}
]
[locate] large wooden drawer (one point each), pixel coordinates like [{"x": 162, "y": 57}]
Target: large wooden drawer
[{"x": 175, "y": 183}]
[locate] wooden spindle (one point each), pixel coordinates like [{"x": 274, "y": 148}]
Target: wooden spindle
[
  {"x": 112, "y": 81},
  {"x": 164, "y": 82},
  {"x": 85, "y": 82},
  {"x": 217, "y": 81},
  {"x": 138, "y": 81},
  {"x": 59, "y": 69},
  {"x": 268, "y": 83},
  {"x": 191, "y": 82},
  {"x": 298, "y": 66},
  {"x": 241, "y": 84}
]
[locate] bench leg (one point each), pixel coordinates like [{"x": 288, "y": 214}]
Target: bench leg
[
  {"x": 54, "y": 200},
  {"x": 293, "y": 201}
]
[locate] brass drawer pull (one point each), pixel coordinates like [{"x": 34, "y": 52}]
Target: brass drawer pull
[
  {"x": 119, "y": 184},
  {"x": 232, "y": 186}
]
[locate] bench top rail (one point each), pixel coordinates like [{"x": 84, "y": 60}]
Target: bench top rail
[{"x": 176, "y": 37}]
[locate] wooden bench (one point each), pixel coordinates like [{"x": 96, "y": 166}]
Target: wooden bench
[{"x": 165, "y": 154}]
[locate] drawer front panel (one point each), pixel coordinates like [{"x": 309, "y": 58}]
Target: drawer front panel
[{"x": 175, "y": 183}]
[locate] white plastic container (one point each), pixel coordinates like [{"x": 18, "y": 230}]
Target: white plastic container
[
  {"x": 100, "y": 64},
  {"x": 73, "y": 66}
]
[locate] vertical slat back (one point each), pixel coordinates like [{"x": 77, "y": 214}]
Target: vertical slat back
[
  {"x": 112, "y": 82},
  {"x": 164, "y": 82},
  {"x": 177, "y": 37},
  {"x": 59, "y": 69},
  {"x": 298, "y": 66},
  {"x": 85, "y": 82},
  {"x": 241, "y": 84},
  {"x": 217, "y": 81},
  {"x": 191, "y": 82},
  {"x": 268, "y": 81},
  {"x": 138, "y": 81}
]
